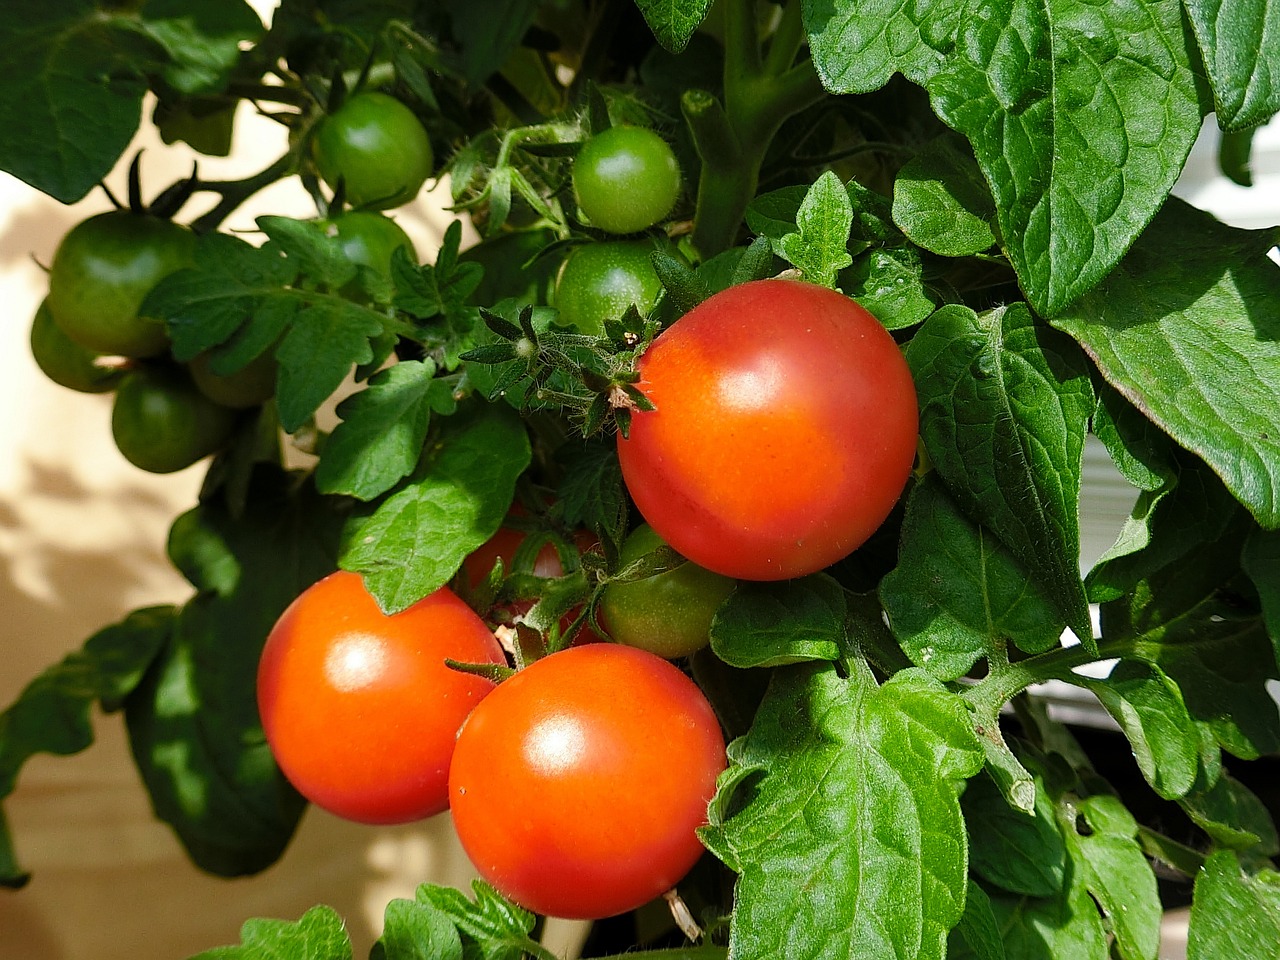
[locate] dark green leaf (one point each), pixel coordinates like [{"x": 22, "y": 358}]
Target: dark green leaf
[
  {"x": 1238, "y": 40},
  {"x": 1005, "y": 403},
  {"x": 413, "y": 542},
  {"x": 416, "y": 930},
  {"x": 673, "y": 21},
  {"x": 313, "y": 252},
  {"x": 853, "y": 792},
  {"x": 193, "y": 721},
  {"x": 489, "y": 32},
  {"x": 324, "y": 341},
  {"x": 1261, "y": 561},
  {"x": 1008, "y": 848},
  {"x": 383, "y": 428},
  {"x": 976, "y": 936},
  {"x": 591, "y": 491},
  {"x": 756, "y": 263},
  {"x": 1064, "y": 926},
  {"x": 71, "y": 84},
  {"x": 957, "y": 593},
  {"x": 942, "y": 203},
  {"x": 682, "y": 285},
  {"x": 819, "y": 247},
  {"x": 202, "y": 38},
  {"x": 1234, "y": 817},
  {"x": 1188, "y": 329},
  {"x": 857, "y": 46},
  {"x": 1081, "y": 117},
  {"x": 889, "y": 281},
  {"x": 1141, "y": 451},
  {"x": 318, "y": 935},
  {"x": 491, "y": 928},
  {"x": 767, "y": 624},
  {"x": 1234, "y": 913}
]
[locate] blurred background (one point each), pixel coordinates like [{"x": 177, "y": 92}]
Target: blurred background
[{"x": 82, "y": 537}]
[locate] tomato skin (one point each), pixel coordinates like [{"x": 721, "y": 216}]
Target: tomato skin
[
  {"x": 369, "y": 239},
  {"x": 784, "y": 433},
  {"x": 359, "y": 708},
  {"x": 600, "y": 280},
  {"x": 102, "y": 271},
  {"x": 377, "y": 147},
  {"x": 625, "y": 179},
  {"x": 64, "y": 361},
  {"x": 250, "y": 386},
  {"x": 577, "y": 786},
  {"x": 161, "y": 423},
  {"x": 669, "y": 613}
]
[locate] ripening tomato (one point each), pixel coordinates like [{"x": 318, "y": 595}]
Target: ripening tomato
[
  {"x": 67, "y": 363},
  {"x": 577, "y": 787},
  {"x": 359, "y": 708},
  {"x": 784, "y": 433}
]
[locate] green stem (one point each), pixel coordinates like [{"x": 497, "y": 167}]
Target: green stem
[
  {"x": 236, "y": 192},
  {"x": 1177, "y": 855},
  {"x": 786, "y": 41},
  {"x": 1008, "y": 679}
]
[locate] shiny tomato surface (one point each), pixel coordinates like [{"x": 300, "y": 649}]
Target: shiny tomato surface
[
  {"x": 359, "y": 708},
  {"x": 784, "y": 433},
  {"x": 578, "y": 785}
]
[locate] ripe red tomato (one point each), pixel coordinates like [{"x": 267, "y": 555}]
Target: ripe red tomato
[
  {"x": 577, "y": 786},
  {"x": 359, "y": 708},
  {"x": 784, "y": 433}
]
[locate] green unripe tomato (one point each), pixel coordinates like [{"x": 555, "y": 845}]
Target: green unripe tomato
[
  {"x": 162, "y": 423},
  {"x": 669, "y": 613},
  {"x": 64, "y": 361},
  {"x": 250, "y": 386},
  {"x": 625, "y": 179},
  {"x": 368, "y": 239},
  {"x": 377, "y": 147},
  {"x": 102, "y": 271},
  {"x": 600, "y": 280}
]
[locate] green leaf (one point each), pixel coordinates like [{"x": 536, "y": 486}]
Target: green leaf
[
  {"x": 673, "y": 21},
  {"x": 976, "y": 936},
  {"x": 767, "y": 624},
  {"x": 383, "y": 428},
  {"x": 71, "y": 85},
  {"x": 53, "y": 712},
  {"x": 819, "y": 247},
  {"x": 314, "y": 253},
  {"x": 591, "y": 490},
  {"x": 889, "y": 281},
  {"x": 490, "y": 927},
  {"x": 318, "y": 935},
  {"x": 416, "y": 930},
  {"x": 1149, "y": 708},
  {"x": 325, "y": 339},
  {"x": 1007, "y": 848},
  {"x": 1081, "y": 117},
  {"x": 941, "y": 202},
  {"x": 1234, "y": 913},
  {"x": 201, "y": 38},
  {"x": 1188, "y": 329},
  {"x": 957, "y": 593},
  {"x": 1233, "y": 816},
  {"x": 193, "y": 722},
  {"x": 412, "y": 542},
  {"x": 1141, "y": 451},
  {"x": 1261, "y": 561},
  {"x": 853, "y": 792},
  {"x": 1101, "y": 837},
  {"x": 1064, "y": 926},
  {"x": 1238, "y": 40},
  {"x": 1004, "y": 407},
  {"x": 858, "y": 46},
  {"x": 488, "y": 33}
]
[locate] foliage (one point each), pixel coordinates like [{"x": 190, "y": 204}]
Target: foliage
[{"x": 992, "y": 181}]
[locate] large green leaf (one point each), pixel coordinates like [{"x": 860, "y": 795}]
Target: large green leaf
[
  {"x": 848, "y": 836},
  {"x": 1234, "y": 913},
  {"x": 202, "y": 38},
  {"x": 1188, "y": 329},
  {"x": 193, "y": 722},
  {"x": 72, "y": 78},
  {"x": 767, "y": 624},
  {"x": 941, "y": 201},
  {"x": 858, "y": 45},
  {"x": 1238, "y": 41},
  {"x": 1010, "y": 849},
  {"x": 1005, "y": 403},
  {"x": 1081, "y": 116},
  {"x": 957, "y": 592}
]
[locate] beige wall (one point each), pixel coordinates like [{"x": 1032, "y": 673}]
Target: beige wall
[{"x": 81, "y": 542}]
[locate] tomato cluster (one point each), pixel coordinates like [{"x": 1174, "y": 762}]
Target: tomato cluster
[{"x": 609, "y": 754}]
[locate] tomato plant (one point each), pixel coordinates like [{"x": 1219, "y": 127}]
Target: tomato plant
[
  {"x": 599, "y": 281},
  {"x": 64, "y": 361},
  {"x": 251, "y": 385},
  {"x": 102, "y": 270},
  {"x": 625, "y": 179},
  {"x": 669, "y": 612},
  {"x": 375, "y": 145},
  {"x": 161, "y": 423},
  {"x": 360, "y": 708},
  {"x": 784, "y": 432},
  {"x": 850, "y": 304},
  {"x": 611, "y": 755}
]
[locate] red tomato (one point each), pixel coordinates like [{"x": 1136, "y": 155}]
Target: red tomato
[
  {"x": 577, "y": 786},
  {"x": 784, "y": 433},
  {"x": 359, "y": 708}
]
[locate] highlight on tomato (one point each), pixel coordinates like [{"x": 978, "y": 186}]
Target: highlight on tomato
[
  {"x": 784, "y": 433},
  {"x": 625, "y": 179},
  {"x": 359, "y": 707},
  {"x": 610, "y": 756}
]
